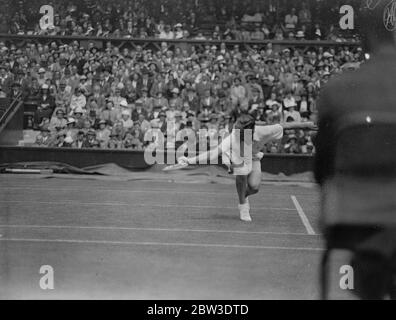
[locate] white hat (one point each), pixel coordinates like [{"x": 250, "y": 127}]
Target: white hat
[
  {"x": 45, "y": 86},
  {"x": 175, "y": 90},
  {"x": 125, "y": 113},
  {"x": 69, "y": 139},
  {"x": 274, "y": 103},
  {"x": 124, "y": 103},
  {"x": 154, "y": 123},
  {"x": 41, "y": 70},
  {"x": 178, "y": 25},
  {"x": 78, "y": 110},
  {"x": 300, "y": 34},
  {"x": 327, "y": 55},
  {"x": 70, "y": 120}
]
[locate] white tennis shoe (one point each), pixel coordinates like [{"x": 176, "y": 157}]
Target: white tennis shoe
[
  {"x": 244, "y": 212},
  {"x": 248, "y": 203}
]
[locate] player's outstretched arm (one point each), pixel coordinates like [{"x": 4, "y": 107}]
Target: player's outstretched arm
[
  {"x": 205, "y": 157},
  {"x": 209, "y": 156}
]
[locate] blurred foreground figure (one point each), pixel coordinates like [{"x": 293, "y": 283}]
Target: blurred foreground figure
[{"x": 358, "y": 111}]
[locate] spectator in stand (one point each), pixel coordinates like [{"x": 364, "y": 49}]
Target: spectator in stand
[
  {"x": 167, "y": 33},
  {"x": 291, "y": 20},
  {"x": 44, "y": 139},
  {"x": 115, "y": 141},
  {"x": 292, "y": 145},
  {"x": 126, "y": 120},
  {"x": 60, "y": 141},
  {"x": 238, "y": 91},
  {"x": 46, "y": 105},
  {"x": 79, "y": 141},
  {"x": 257, "y": 34},
  {"x": 304, "y": 15},
  {"x": 78, "y": 101},
  {"x": 59, "y": 121},
  {"x": 291, "y": 114}
]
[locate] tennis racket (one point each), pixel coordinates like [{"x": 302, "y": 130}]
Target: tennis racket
[{"x": 175, "y": 167}]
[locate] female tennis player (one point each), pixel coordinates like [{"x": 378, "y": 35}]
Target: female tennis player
[{"x": 242, "y": 152}]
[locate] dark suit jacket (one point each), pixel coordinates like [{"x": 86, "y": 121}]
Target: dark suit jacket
[
  {"x": 141, "y": 85},
  {"x": 49, "y": 100},
  {"x": 371, "y": 88},
  {"x": 135, "y": 114}
]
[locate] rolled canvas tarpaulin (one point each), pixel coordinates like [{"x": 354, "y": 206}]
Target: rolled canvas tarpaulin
[{"x": 192, "y": 174}]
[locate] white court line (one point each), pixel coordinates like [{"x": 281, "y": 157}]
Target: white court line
[
  {"x": 131, "y": 205},
  {"x": 150, "y": 229},
  {"x": 165, "y": 191},
  {"x": 160, "y": 244},
  {"x": 303, "y": 217}
]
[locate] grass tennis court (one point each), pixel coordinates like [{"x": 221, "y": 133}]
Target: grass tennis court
[{"x": 157, "y": 240}]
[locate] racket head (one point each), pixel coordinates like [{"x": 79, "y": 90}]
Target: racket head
[{"x": 175, "y": 167}]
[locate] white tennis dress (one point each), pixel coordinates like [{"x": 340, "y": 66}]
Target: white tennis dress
[{"x": 244, "y": 164}]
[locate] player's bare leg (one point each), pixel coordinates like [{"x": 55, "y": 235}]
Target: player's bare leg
[
  {"x": 254, "y": 180},
  {"x": 242, "y": 188},
  {"x": 247, "y": 186},
  {"x": 244, "y": 207}
]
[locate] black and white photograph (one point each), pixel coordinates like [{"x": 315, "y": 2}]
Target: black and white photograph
[{"x": 197, "y": 150}]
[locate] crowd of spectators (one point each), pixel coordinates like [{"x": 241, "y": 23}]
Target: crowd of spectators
[
  {"x": 109, "y": 98},
  {"x": 181, "y": 19}
]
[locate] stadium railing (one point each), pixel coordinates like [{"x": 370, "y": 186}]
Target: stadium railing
[
  {"x": 4, "y": 105},
  {"x": 11, "y": 122},
  {"x": 6, "y": 108},
  {"x": 155, "y": 43}
]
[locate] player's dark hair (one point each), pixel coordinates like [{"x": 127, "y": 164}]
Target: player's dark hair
[{"x": 245, "y": 122}]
